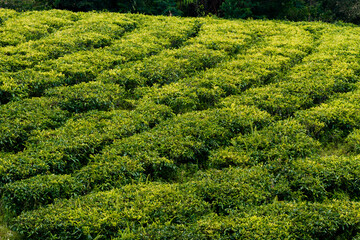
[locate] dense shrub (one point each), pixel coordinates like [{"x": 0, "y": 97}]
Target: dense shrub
[
  {"x": 281, "y": 220},
  {"x": 127, "y": 126},
  {"x": 190, "y": 137},
  {"x": 19, "y": 119},
  {"x": 31, "y": 26},
  {"x": 233, "y": 188},
  {"x": 73, "y": 144},
  {"x": 257, "y": 59},
  {"x": 283, "y": 141},
  {"x": 27, "y": 83},
  {"x": 34, "y": 192},
  {"x": 152, "y": 35},
  {"x": 108, "y": 214},
  {"x": 169, "y": 66},
  {"x": 312, "y": 81},
  {"x": 182, "y": 97},
  {"x": 68, "y": 148},
  {"x": 331, "y": 121},
  {"x": 353, "y": 141},
  {"x": 326, "y": 177},
  {"x": 139, "y": 211},
  {"x": 89, "y": 96}
]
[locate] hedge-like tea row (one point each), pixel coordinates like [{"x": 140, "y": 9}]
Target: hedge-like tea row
[
  {"x": 261, "y": 56},
  {"x": 19, "y": 119},
  {"x": 280, "y": 220},
  {"x": 333, "y": 120},
  {"x": 126, "y": 126},
  {"x": 189, "y": 137},
  {"x": 155, "y": 152},
  {"x": 88, "y": 32},
  {"x": 27, "y": 83},
  {"x": 210, "y": 190},
  {"x": 153, "y": 35},
  {"x": 81, "y": 66},
  {"x": 104, "y": 214},
  {"x": 19, "y": 28},
  {"x": 283, "y": 141},
  {"x": 198, "y": 54},
  {"x": 329, "y": 177},
  {"x": 89, "y": 96},
  {"x": 76, "y": 64},
  {"x": 67, "y": 148},
  {"x": 169, "y": 66},
  {"x": 158, "y": 211},
  {"x": 328, "y": 70}
]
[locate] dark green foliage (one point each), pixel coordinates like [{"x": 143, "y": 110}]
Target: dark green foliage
[
  {"x": 237, "y": 9},
  {"x": 294, "y": 10}
]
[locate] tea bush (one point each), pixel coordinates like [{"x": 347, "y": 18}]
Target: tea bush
[
  {"x": 89, "y": 96},
  {"x": 19, "y": 119},
  {"x": 31, "y": 25},
  {"x": 283, "y": 141},
  {"x": 314, "y": 80},
  {"x": 27, "y": 83},
  {"x": 234, "y": 188},
  {"x": 68, "y": 147},
  {"x": 189, "y": 137},
  {"x": 127, "y": 126},
  {"x": 169, "y": 66},
  {"x": 257, "y": 52},
  {"x": 284, "y": 219},
  {"x": 331, "y": 121},
  {"x": 31, "y": 193},
  {"x": 113, "y": 212},
  {"x": 353, "y": 141},
  {"x": 325, "y": 177}
]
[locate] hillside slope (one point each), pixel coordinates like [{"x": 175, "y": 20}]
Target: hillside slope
[{"x": 121, "y": 126}]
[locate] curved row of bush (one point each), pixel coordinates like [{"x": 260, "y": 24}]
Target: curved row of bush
[
  {"x": 272, "y": 54},
  {"x": 193, "y": 210},
  {"x": 137, "y": 127},
  {"x": 68, "y": 147},
  {"x": 331, "y": 68},
  {"x": 68, "y": 55},
  {"x": 187, "y": 138}
]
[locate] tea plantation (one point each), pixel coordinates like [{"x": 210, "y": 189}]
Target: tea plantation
[{"x": 120, "y": 126}]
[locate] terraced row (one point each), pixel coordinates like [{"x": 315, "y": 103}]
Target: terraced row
[{"x": 139, "y": 127}]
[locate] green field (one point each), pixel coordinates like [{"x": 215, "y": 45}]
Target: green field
[{"x": 120, "y": 126}]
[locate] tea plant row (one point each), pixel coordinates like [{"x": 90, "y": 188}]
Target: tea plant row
[{"x": 120, "y": 126}]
